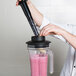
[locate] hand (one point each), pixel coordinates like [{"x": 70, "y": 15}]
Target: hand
[
  {"x": 17, "y": 3},
  {"x": 51, "y": 30}
]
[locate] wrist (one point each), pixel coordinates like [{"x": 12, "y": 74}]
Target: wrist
[{"x": 64, "y": 33}]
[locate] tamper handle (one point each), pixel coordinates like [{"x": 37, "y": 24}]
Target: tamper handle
[{"x": 27, "y": 13}]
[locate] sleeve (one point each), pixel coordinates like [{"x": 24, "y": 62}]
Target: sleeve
[{"x": 67, "y": 27}]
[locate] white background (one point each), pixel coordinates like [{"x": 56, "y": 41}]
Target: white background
[{"x": 15, "y": 31}]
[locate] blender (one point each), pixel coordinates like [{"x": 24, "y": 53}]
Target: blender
[{"x": 39, "y": 52}]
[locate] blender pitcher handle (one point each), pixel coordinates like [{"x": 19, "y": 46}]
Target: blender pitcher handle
[{"x": 51, "y": 62}]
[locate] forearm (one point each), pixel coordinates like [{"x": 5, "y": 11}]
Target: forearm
[
  {"x": 70, "y": 38},
  {"x": 37, "y": 16}
]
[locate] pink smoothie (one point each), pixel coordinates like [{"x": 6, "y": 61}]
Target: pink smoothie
[
  {"x": 43, "y": 65},
  {"x": 39, "y": 65},
  {"x": 34, "y": 59}
]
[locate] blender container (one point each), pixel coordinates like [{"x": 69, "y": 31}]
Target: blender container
[
  {"x": 38, "y": 48},
  {"x": 39, "y": 53}
]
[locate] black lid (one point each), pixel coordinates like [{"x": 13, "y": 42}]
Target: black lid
[{"x": 38, "y": 42}]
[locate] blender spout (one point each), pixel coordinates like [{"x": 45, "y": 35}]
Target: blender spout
[{"x": 27, "y": 13}]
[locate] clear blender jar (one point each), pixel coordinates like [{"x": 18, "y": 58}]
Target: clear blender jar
[
  {"x": 39, "y": 53},
  {"x": 38, "y": 48}
]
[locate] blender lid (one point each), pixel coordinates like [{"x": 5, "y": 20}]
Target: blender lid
[{"x": 38, "y": 42}]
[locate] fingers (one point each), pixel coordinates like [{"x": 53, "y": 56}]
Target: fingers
[
  {"x": 17, "y": 3},
  {"x": 47, "y": 30},
  {"x": 18, "y": 0},
  {"x": 48, "y": 33},
  {"x": 44, "y": 30},
  {"x": 41, "y": 32}
]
